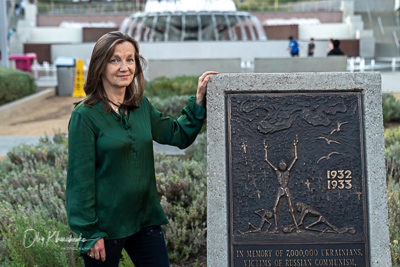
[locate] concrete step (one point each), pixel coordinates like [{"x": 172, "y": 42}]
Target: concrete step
[
  {"x": 388, "y": 19},
  {"x": 387, "y": 37},
  {"x": 385, "y": 45},
  {"x": 386, "y": 50}
]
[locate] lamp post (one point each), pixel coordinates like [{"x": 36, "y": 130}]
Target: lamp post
[{"x": 3, "y": 34}]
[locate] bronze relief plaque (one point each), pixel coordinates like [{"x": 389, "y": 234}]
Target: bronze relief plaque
[{"x": 296, "y": 179}]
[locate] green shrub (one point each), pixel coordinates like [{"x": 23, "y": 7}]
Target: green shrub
[
  {"x": 35, "y": 175},
  {"x": 198, "y": 151},
  {"x": 32, "y": 196},
  {"x": 167, "y": 87},
  {"x": 394, "y": 220},
  {"x": 392, "y": 155},
  {"x": 391, "y": 108},
  {"x": 182, "y": 190},
  {"x": 171, "y": 106},
  {"x": 31, "y": 238},
  {"x": 15, "y": 84}
]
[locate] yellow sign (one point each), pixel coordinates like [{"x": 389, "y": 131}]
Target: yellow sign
[{"x": 79, "y": 80}]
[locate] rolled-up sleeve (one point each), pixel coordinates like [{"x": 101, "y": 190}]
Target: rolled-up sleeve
[
  {"x": 81, "y": 182},
  {"x": 181, "y": 132}
]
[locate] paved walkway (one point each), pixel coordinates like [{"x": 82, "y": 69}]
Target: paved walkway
[{"x": 390, "y": 84}]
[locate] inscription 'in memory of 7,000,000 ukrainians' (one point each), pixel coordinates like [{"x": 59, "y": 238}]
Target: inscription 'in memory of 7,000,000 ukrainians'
[{"x": 296, "y": 179}]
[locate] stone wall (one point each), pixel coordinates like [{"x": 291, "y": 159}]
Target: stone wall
[
  {"x": 93, "y": 34},
  {"x": 309, "y": 64},
  {"x": 281, "y": 32},
  {"x": 42, "y": 51},
  {"x": 324, "y": 17},
  {"x": 191, "y": 67}
]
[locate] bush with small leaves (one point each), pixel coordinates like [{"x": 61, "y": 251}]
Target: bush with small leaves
[
  {"x": 15, "y": 84},
  {"x": 171, "y": 106},
  {"x": 31, "y": 238},
  {"x": 182, "y": 190},
  {"x": 392, "y": 151},
  {"x": 35, "y": 175},
  {"x": 392, "y": 154},
  {"x": 169, "y": 87},
  {"x": 391, "y": 108},
  {"x": 394, "y": 219},
  {"x": 32, "y": 196}
]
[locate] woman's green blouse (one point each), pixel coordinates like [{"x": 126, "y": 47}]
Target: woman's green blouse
[{"x": 111, "y": 185}]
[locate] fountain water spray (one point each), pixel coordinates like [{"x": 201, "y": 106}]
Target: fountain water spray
[
  {"x": 393, "y": 64},
  {"x": 188, "y": 20}
]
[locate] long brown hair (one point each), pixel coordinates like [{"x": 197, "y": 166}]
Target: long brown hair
[{"x": 102, "y": 52}]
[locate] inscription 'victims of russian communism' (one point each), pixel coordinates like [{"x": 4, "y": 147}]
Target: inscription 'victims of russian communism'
[
  {"x": 299, "y": 262},
  {"x": 298, "y": 254}
]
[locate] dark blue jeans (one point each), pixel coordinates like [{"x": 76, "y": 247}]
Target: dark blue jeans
[{"x": 146, "y": 248}]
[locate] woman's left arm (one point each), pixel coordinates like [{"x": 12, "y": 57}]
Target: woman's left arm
[{"x": 183, "y": 131}]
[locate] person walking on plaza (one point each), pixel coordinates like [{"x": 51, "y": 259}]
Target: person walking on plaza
[
  {"x": 22, "y": 7},
  {"x": 111, "y": 195},
  {"x": 330, "y": 45},
  {"x": 311, "y": 48},
  {"x": 336, "y": 50},
  {"x": 10, "y": 33},
  {"x": 17, "y": 9},
  {"x": 293, "y": 47}
]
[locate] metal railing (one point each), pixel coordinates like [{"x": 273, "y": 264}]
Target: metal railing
[
  {"x": 330, "y": 5},
  {"x": 396, "y": 39},
  {"x": 135, "y": 6},
  {"x": 370, "y": 16},
  {"x": 381, "y": 25},
  {"x": 90, "y": 8}
]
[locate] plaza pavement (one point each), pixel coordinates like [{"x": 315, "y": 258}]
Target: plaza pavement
[{"x": 390, "y": 84}]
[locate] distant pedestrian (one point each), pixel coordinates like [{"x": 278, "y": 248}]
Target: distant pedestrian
[
  {"x": 17, "y": 9},
  {"x": 10, "y": 33},
  {"x": 336, "y": 50},
  {"x": 22, "y": 5},
  {"x": 293, "y": 47},
  {"x": 311, "y": 48},
  {"x": 330, "y": 45}
]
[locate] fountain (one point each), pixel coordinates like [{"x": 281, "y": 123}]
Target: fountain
[{"x": 188, "y": 20}]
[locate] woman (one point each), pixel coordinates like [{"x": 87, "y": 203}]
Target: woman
[{"x": 112, "y": 200}]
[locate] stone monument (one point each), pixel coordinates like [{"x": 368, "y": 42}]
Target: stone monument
[{"x": 296, "y": 171}]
